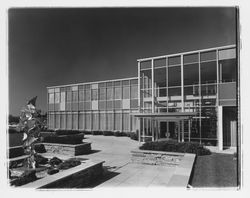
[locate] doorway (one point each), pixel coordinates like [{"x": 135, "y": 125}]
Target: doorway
[
  {"x": 168, "y": 130},
  {"x": 229, "y": 127}
]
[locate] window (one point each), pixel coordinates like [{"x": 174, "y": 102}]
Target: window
[
  {"x": 174, "y": 76},
  {"x": 208, "y": 72},
  {"x": 191, "y": 74},
  {"x": 68, "y": 96},
  {"x": 102, "y": 121},
  {"x": 174, "y": 60},
  {"x": 125, "y": 92},
  {"x": 109, "y": 93},
  {"x": 74, "y": 96},
  {"x": 87, "y": 95},
  {"x": 57, "y": 97},
  {"x": 51, "y": 98},
  {"x": 94, "y": 95},
  {"x": 134, "y": 91},
  {"x": 208, "y": 56},
  {"x": 102, "y": 94},
  {"x": 81, "y": 95},
  {"x": 118, "y": 92},
  {"x": 118, "y": 121}
]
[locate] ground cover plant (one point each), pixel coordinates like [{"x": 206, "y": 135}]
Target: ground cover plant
[
  {"x": 174, "y": 146},
  {"x": 215, "y": 170}
]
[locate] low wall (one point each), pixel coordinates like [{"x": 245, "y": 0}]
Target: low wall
[
  {"x": 77, "y": 177},
  {"x": 68, "y": 149},
  {"x": 156, "y": 157}
]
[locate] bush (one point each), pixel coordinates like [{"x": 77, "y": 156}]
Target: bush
[
  {"x": 67, "y": 132},
  {"x": 119, "y": 134},
  {"x": 40, "y": 160},
  {"x": 97, "y": 133},
  {"x": 39, "y": 148},
  {"x": 69, "y": 164},
  {"x": 87, "y": 132},
  {"x": 108, "y": 133},
  {"x": 133, "y": 135},
  {"x": 174, "y": 146},
  {"x": 65, "y": 139},
  {"x": 55, "y": 161}
]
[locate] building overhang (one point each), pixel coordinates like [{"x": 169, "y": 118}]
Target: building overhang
[{"x": 166, "y": 116}]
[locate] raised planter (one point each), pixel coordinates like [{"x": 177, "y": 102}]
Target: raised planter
[
  {"x": 77, "y": 177},
  {"x": 156, "y": 157},
  {"x": 16, "y": 151},
  {"x": 68, "y": 149}
]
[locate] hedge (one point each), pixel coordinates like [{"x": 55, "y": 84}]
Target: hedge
[
  {"x": 119, "y": 134},
  {"x": 174, "y": 146},
  {"x": 65, "y": 139},
  {"x": 108, "y": 133},
  {"x": 97, "y": 133},
  {"x": 67, "y": 132}
]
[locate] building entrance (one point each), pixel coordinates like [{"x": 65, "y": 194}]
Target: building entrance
[
  {"x": 229, "y": 127},
  {"x": 168, "y": 130}
]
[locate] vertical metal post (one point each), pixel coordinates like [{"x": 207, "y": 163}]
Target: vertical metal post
[
  {"x": 153, "y": 93},
  {"x": 189, "y": 129},
  {"x": 139, "y": 86},
  {"x": 178, "y": 123},
  {"x": 139, "y": 126},
  {"x": 182, "y": 85},
  {"x": 199, "y": 60},
  {"x": 167, "y": 82},
  {"x": 182, "y": 128}
]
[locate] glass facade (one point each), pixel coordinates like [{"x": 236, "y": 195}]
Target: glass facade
[
  {"x": 96, "y": 106},
  {"x": 189, "y": 82},
  {"x": 196, "y": 82}
]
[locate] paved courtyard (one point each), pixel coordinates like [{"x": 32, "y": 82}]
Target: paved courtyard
[{"x": 119, "y": 172}]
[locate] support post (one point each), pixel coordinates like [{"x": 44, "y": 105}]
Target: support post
[
  {"x": 189, "y": 129},
  {"x": 182, "y": 128},
  {"x": 178, "y": 131},
  {"x": 182, "y": 85},
  {"x": 220, "y": 128}
]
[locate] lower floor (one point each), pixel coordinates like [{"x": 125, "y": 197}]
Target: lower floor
[{"x": 215, "y": 126}]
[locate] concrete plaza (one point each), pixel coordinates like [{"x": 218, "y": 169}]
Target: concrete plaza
[{"x": 120, "y": 172}]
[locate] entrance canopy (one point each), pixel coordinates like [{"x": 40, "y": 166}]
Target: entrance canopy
[
  {"x": 166, "y": 116},
  {"x": 156, "y": 118}
]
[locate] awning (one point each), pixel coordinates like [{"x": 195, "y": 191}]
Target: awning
[{"x": 167, "y": 115}]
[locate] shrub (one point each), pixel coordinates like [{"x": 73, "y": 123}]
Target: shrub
[
  {"x": 87, "y": 132},
  {"x": 67, "y": 132},
  {"x": 97, "y": 133},
  {"x": 174, "y": 146},
  {"x": 65, "y": 139},
  {"x": 39, "y": 148},
  {"x": 26, "y": 177},
  {"x": 69, "y": 164},
  {"x": 55, "y": 161},
  {"x": 133, "y": 135},
  {"x": 40, "y": 160},
  {"x": 108, "y": 133},
  {"x": 119, "y": 134}
]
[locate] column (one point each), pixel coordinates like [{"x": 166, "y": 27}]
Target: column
[
  {"x": 182, "y": 128},
  {"x": 189, "y": 129},
  {"x": 220, "y": 128},
  {"x": 182, "y": 85},
  {"x": 152, "y": 78}
]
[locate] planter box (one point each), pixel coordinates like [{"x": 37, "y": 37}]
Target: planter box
[
  {"x": 16, "y": 151},
  {"x": 156, "y": 157},
  {"x": 68, "y": 149},
  {"x": 77, "y": 177}
]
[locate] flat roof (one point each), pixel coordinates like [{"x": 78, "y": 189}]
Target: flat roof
[
  {"x": 166, "y": 116},
  {"x": 187, "y": 52},
  {"x": 93, "y": 82}
]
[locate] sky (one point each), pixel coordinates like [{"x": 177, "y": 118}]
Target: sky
[{"x": 48, "y": 47}]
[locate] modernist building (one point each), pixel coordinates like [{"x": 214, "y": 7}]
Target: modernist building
[{"x": 187, "y": 96}]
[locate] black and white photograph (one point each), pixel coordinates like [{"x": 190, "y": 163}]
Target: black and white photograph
[{"x": 121, "y": 97}]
